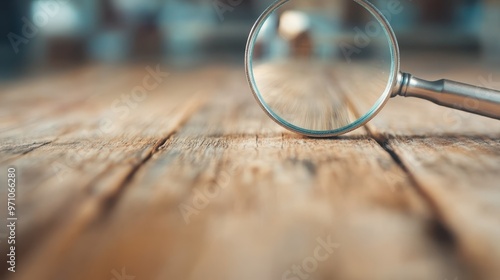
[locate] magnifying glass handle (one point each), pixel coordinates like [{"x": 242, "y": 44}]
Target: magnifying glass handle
[{"x": 469, "y": 98}]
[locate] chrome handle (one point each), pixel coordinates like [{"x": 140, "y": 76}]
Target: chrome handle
[{"x": 469, "y": 98}]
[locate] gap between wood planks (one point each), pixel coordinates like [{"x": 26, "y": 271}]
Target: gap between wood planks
[
  {"x": 441, "y": 231},
  {"x": 189, "y": 109},
  {"x": 106, "y": 204}
]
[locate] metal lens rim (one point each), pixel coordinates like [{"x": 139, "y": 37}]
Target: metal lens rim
[{"x": 395, "y": 67}]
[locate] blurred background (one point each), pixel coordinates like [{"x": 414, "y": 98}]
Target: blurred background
[{"x": 40, "y": 36}]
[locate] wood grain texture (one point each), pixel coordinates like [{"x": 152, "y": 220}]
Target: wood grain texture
[
  {"x": 195, "y": 182},
  {"x": 454, "y": 159}
]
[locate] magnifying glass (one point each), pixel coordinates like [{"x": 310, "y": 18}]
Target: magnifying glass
[{"x": 324, "y": 68}]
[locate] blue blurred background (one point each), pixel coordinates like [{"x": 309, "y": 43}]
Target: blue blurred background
[{"x": 49, "y": 35}]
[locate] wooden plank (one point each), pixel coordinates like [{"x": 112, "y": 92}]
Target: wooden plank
[
  {"x": 271, "y": 195},
  {"x": 455, "y": 160},
  {"x": 86, "y": 165}
]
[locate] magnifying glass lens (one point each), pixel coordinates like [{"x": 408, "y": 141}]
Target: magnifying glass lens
[{"x": 321, "y": 67}]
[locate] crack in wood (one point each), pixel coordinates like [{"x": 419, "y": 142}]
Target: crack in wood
[
  {"x": 30, "y": 148},
  {"x": 188, "y": 110},
  {"x": 438, "y": 228},
  {"x": 110, "y": 201}
]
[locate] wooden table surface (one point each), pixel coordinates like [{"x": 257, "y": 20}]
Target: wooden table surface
[{"x": 191, "y": 180}]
